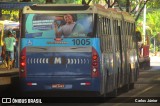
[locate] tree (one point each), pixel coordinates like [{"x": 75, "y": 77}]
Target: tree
[
  {"x": 152, "y": 21},
  {"x": 49, "y": 1},
  {"x": 153, "y": 4},
  {"x": 25, "y": 1}
]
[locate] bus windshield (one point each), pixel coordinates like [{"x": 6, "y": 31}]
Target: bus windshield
[{"x": 58, "y": 25}]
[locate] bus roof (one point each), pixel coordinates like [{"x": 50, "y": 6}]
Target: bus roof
[
  {"x": 50, "y": 8},
  {"x": 77, "y": 8},
  {"x": 128, "y": 17},
  {"x": 58, "y": 8}
]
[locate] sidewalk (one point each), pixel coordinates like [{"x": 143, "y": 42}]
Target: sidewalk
[
  {"x": 6, "y": 72},
  {"x": 154, "y": 64},
  {"x": 7, "y": 75},
  {"x": 155, "y": 60}
]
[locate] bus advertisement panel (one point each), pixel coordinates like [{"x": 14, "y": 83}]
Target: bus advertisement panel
[{"x": 47, "y": 26}]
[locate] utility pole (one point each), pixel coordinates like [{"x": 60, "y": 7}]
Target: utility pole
[{"x": 144, "y": 23}]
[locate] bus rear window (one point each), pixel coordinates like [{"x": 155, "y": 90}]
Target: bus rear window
[{"x": 58, "y": 25}]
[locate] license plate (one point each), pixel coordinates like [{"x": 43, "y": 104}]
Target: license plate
[{"x": 58, "y": 86}]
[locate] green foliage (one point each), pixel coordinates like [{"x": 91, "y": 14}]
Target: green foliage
[
  {"x": 57, "y": 1},
  {"x": 39, "y": 1},
  {"x": 154, "y": 4},
  {"x": 153, "y": 22}
]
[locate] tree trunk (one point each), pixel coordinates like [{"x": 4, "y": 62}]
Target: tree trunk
[{"x": 49, "y": 1}]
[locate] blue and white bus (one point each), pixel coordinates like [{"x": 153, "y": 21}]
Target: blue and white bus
[{"x": 100, "y": 59}]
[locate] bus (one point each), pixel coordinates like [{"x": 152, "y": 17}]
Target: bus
[{"x": 95, "y": 52}]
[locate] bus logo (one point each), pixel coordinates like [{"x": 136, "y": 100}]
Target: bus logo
[{"x": 58, "y": 60}]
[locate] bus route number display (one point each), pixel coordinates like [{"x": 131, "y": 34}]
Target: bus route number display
[{"x": 81, "y": 42}]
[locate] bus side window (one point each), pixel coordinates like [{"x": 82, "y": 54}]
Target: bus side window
[
  {"x": 104, "y": 33},
  {"x": 100, "y": 32}
]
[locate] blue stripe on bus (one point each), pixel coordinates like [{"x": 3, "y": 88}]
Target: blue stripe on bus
[{"x": 94, "y": 42}]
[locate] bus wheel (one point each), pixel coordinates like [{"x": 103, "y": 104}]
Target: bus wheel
[
  {"x": 131, "y": 86},
  {"x": 126, "y": 87},
  {"x": 115, "y": 91}
]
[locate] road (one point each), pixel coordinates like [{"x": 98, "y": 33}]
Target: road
[{"x": 147, "y": 87}]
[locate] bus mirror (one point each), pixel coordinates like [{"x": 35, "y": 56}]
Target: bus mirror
[{"x": 138, "y": 36}]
